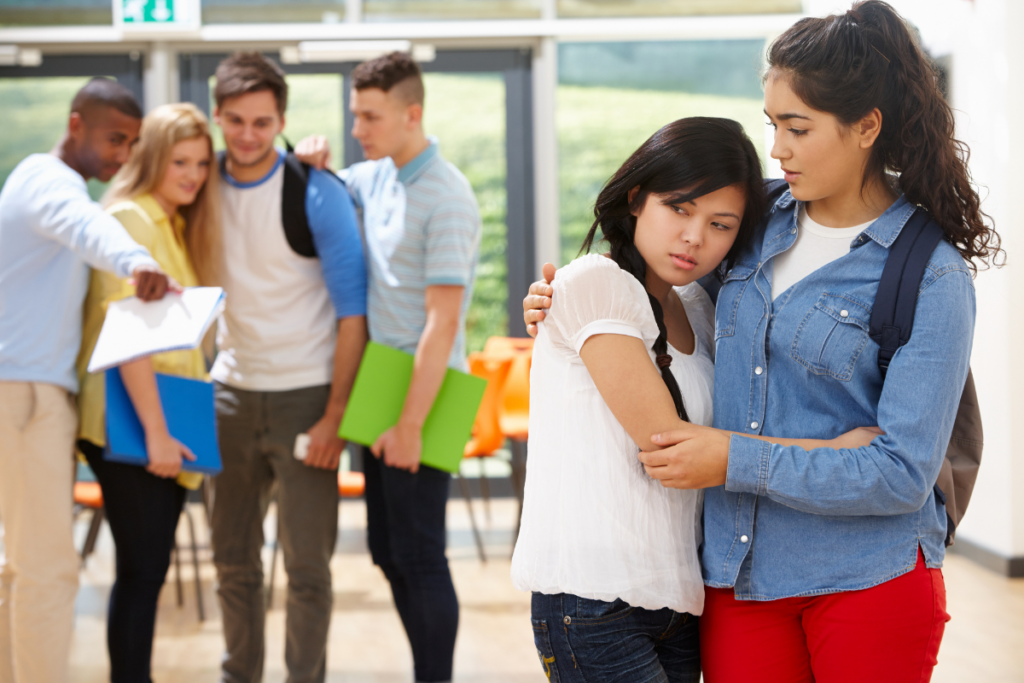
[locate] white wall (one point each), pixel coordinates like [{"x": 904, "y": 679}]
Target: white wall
[{"x": 988, "y": 94}]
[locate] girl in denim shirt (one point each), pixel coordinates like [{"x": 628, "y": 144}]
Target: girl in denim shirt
[
  {"x": 823, "y": 564},
  {"x": 627, "y": 351}
]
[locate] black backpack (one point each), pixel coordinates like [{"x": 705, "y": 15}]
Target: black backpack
[
  {"x": 293, "y": 202},
  {"x": 892, "y": 321}
]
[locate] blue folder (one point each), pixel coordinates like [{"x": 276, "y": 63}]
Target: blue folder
[{"x": 188, "y": 409}]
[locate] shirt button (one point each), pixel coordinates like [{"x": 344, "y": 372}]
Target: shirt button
[
  {"x": 844, "y": 313},
  {"x": 568, "y": 620},
  {"x": 758, "y": 370},
  {"x": 743, "y": 539},
  {"x": 793, "y": 231},
  {"x": 753, "y": 425}
]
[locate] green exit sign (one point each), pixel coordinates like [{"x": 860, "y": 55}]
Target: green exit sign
[
  {"x": 136, "y": 16},
  {"x": 148, "y": 11}
]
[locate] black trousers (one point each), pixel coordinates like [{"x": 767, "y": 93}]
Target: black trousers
[
  {"x": 406, "y": 534},
  {"x": 142, "y": 510}
]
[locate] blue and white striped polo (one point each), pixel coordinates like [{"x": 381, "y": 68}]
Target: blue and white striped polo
[{"x": 422, "y": 227}]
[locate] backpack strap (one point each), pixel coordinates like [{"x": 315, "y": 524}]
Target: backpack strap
[
  {"x": 293, "y": 205},
  {"x": 892, "y": 316}
]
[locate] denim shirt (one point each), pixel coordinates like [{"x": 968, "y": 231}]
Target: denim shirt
[{"x": 790, "y": 522}]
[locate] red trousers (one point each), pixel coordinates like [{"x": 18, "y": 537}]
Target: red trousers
[{"x": 886, "y": 634}]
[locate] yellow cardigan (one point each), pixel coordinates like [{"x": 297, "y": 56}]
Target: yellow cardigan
[{"x": 149, "y": 225}]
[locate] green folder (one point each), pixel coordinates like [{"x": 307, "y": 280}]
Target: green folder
[{"x": 379, "y": 394}]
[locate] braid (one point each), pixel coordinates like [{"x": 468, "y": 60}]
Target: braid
[
  {"x": 627, "y": 256},
  {"x": 684, "y": 160}
]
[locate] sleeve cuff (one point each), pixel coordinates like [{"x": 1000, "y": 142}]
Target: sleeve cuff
[
  {"x": 748, "y": 465},
  {"x": 130, "y": 264},
  {"x": 604, "y": 327},
  {"x": 447, "y": 280}
]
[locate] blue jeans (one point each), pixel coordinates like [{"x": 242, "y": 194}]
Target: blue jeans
[
  {"x": 405, "y": 519},
  {"x": 589, "y": 641}
]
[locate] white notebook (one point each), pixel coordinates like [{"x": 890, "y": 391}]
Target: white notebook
[{"x": 134, "y": 329}]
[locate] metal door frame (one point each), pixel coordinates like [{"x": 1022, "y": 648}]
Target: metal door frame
[
  {"x": 126, "y": 70},
  {"x": 516, "y": 67}
]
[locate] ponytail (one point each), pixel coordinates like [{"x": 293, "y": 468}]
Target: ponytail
[
  {"x": 686, "y": 159},
  {"x": 849, "y": 64}
]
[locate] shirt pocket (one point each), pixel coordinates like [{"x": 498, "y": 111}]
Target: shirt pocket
[
  {"x": 729, "y": 297},
  {"x": 832, "y": 336}
]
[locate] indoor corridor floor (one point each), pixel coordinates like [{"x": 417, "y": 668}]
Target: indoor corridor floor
[{"x": 984, "y": 643}]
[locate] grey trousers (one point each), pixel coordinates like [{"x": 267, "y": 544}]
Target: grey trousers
[{"x": 257, "y": 433}]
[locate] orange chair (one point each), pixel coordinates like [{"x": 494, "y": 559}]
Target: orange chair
[
  {"x": 351, "y": 484},
  {"x": 486, "y": 436},
  {"x": 89, "y": 496},
  {"x": 507, "y": 346},
  {"x": 514, "y": 404}
]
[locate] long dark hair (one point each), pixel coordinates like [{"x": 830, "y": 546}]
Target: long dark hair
[
  {"x": 686, "y": 159},
  {"x": 849, "y": 64}
]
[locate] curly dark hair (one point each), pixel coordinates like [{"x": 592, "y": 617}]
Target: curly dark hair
[
  {"x": 387, "y": 72},
  {"x": 849, "y": 64},
  {"x": 685, "y": 159}
]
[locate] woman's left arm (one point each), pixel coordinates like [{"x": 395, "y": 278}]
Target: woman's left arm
[{"x": 895, "y": 473}]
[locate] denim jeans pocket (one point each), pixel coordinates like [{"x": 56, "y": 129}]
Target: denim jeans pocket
[
  {"x": 542, "y": 641},
  {"x": 593, "y": 612},
  {"x": 832, "y": 335}
]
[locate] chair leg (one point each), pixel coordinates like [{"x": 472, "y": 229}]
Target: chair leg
[
  {"x": 518, "y": 479},
  {"x": 273, "y": 566},
  {"x": 472, "y": 520},
  {"x": 485, "y": 491},
  {"x": 195, "y": 563},
  {"x": 93, "y": 534},
  {"x": 177, "y": 573}
]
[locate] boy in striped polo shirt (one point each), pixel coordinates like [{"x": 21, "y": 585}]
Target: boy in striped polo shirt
[{"x": 422, "y": 228}]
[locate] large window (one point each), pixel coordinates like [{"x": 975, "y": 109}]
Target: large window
[
  {"x": 414, "y": 10},
  {"x": 647, "y": 8},
  {"x": 36, "y": 109},
  {"x": 467, "y": 114},
  {"x": 272, "y": 11},
  {"x": 613, "y": 96},
  {"x": 56, "y": 12}
]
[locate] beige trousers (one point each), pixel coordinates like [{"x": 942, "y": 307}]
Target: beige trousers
[{"x": 39, "y": 569}]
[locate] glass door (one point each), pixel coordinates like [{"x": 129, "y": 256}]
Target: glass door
[
  {"x": 36, "y": 101},
  {"x": 478, "y": 105}
]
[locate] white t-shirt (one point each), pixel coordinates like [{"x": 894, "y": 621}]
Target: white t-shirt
[
  {"x": 594, "y": 524},
  {"x": 816, "y": 246},
  {"x": 278, "y": 328}
]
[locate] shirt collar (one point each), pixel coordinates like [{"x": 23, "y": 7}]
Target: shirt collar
[
  {"x": 156, "y": 212},
  {"x": 152, "y": 208},
  {"x": 884, "y": 230},
  {"x": 411, "y": 170},
  {"x": 245, "y": 186}
]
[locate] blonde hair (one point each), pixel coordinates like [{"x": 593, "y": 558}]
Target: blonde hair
[{"x": 162, "y": 129}]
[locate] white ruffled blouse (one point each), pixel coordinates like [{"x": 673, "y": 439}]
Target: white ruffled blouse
[{"x": 594, "y": 524}]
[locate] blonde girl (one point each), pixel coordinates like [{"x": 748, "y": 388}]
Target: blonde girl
[{"x": 167, "y": 200}]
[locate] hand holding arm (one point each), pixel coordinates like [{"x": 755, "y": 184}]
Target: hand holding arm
[
  {"x": 315, "y": 151},
  {"x": 538, "y": 300},
  {"x": 697, "y": 457}
]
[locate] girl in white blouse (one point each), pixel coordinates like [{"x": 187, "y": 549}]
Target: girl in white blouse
[{"x": 627, "y": 351}]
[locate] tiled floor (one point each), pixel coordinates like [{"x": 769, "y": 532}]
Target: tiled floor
[{"x": 983, "y": 643}]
